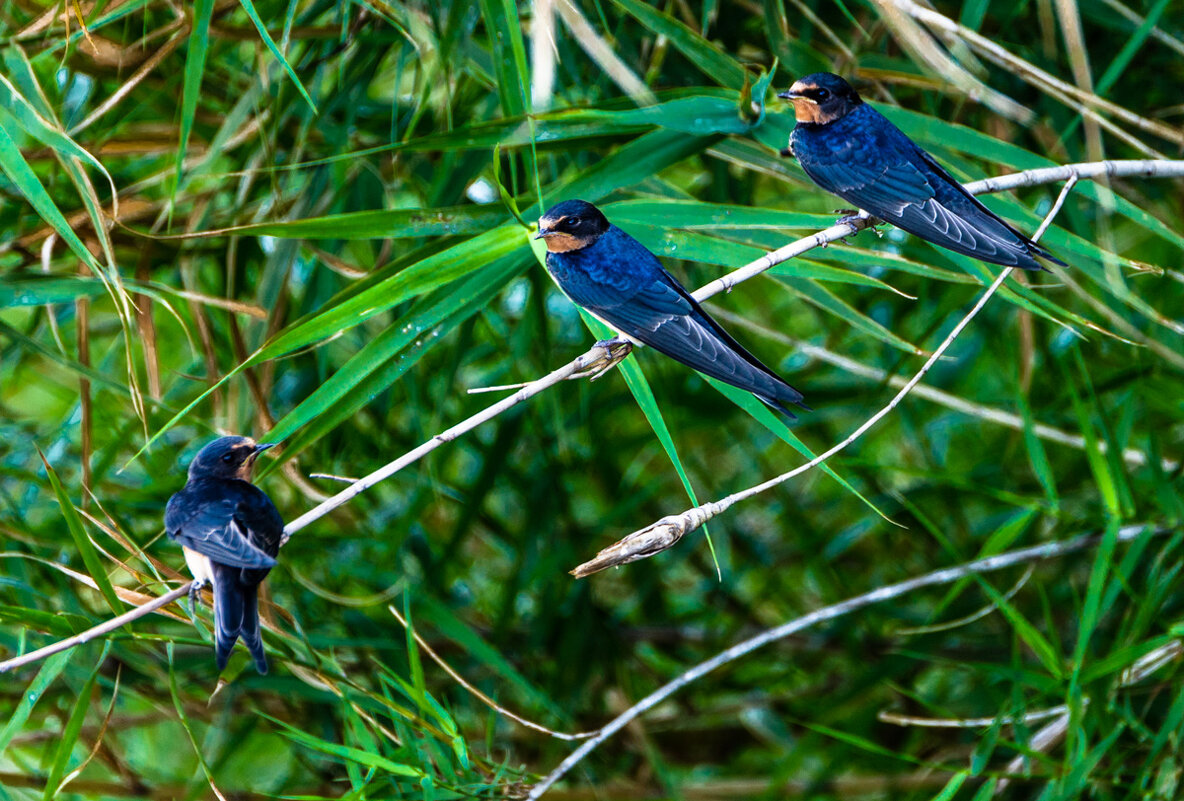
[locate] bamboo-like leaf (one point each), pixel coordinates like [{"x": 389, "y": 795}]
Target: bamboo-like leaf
[
  {"x": 195, "y": 67},
  {"x": 86, "y": 548},
  {"x": 345, "y": 752},
  {"x": 640, "y": 388},
  {"x": 374, "y": 367},
  {"x": 766, "y": 417},
  {"x": 21, "y": 174},
  {"x": 509, "y": 54},
  {"x": 72, "y": 729},
  {"x": 32, "y": 694},
  {"x": 710, "y": 59}
]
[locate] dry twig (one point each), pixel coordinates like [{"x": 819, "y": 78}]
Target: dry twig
[
  {"x": 665, "y": 533},
  {"x": 947, "y": 575}
]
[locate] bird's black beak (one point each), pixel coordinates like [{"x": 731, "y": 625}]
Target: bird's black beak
[
  {"x": 789, "y": 94},
  {"x": 262, "y": 446},
  {"x": 543, "y": 233}
]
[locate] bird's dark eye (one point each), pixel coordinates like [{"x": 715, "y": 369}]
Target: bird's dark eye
[
  {"x": 823, "y": 94},
  {"x": 228, "y": 457},
  {"x": 573, "y": 222}
]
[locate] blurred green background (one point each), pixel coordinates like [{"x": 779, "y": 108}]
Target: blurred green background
[{"x": 317, "y": 200}]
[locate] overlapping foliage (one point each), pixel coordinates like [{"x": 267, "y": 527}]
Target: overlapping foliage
[{"x": 318, "y": 238}]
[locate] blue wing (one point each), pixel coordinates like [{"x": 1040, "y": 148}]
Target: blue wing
[
  {"x": 624, "y": 284},
  {"x": 230, "y": 525},
  {"x": 869, "y": 162}
]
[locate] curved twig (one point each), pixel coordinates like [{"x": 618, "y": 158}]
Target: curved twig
[{"x": 665, "y": 533}]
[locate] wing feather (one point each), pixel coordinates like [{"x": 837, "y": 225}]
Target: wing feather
[
  {"x": 879, "y": 169},
  {"x": 222, "y": 528}
]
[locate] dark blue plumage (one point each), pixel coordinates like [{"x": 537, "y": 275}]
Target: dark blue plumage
[
  {"x": 850, "y": 149},
  {"x": 613, "y": 276},
  {"x": 230, "y": 532}
]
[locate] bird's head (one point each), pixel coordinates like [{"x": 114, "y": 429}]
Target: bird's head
[
  {"x": 571, "y": 225},
  {"x": 821, "y": 98},
  {"x": 227, "y": 458}
]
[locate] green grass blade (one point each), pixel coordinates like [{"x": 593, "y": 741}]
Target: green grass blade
[
  {"x": 343, "y": 393},
  {"x": 32, "y": 694},
  {"x": 706, "y": 56},
  {"x": 644, "y": 395},
  {"x": 21, "y": 174},
  {"x": 72, "y": 729},
  {"x": 249, "y": 7},
  {"x": 86, "y": 548},
  {"x": 1040, "y": 645},
  {"x": 509, "y": 54},
  {"x": 1092, "y": 609},
  {"x": 381, "y": 224},
  {"x": 832, "y": 304},
  {"x": 772, "y": 421},
  {"x": 195, "y": 67},
  {"x": 345, "y": 752}
]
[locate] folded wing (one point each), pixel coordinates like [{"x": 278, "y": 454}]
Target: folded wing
[
  {"x": 220, "y": 529},
  {"x": 659, "y": 312}
]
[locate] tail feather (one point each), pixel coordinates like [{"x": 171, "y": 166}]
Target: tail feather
[
  {"x": 229, "y": 603},
  {"x": 249, "y": 630},
  {"x": 778, "y": 404},
  {"x": 236, "y": 614},
  {"x": 1044, "y": 253}
]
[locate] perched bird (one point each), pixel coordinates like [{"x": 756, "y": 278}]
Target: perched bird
[
  {"x": 230, "y": 532},
  {"x": 621, "y": 283},
  {"x": 850, "y": 149}
]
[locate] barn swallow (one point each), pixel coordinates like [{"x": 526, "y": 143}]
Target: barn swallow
[
  {"x": 230, "y": 532},
  {"x": 850, "y": 149},
  {"x": 621, "y": 283}
]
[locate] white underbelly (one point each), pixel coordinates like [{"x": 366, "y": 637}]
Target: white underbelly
[
  {"x": 618, "y": 331},
  {"x": 199, "y": 566}
]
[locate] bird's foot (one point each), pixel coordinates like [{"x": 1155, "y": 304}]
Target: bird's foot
[
  {"x": 855, "y": 218},
  {"x": 787, "y": 153},
  {"x": 616, "y": 349},
  {"x": 195, "y": 588}
]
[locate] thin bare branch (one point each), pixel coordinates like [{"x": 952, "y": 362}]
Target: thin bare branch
[
  {"x": 1132, "y": 456},
  {"x": 665, "y": 533},
  {"x": 1049, "y": 550},
  {"x": 103, "y": 628},
  {"x": 970, "y": 723}
]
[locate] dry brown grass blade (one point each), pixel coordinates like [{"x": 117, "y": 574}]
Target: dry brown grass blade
[
  {"x": 925, "y": 49},
  {"x": 1032, "y": 74},
  {"x": 142, "y": 72},
  {"x": 600, "y": 52},
  {"x": 1070, "y": 18}
]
